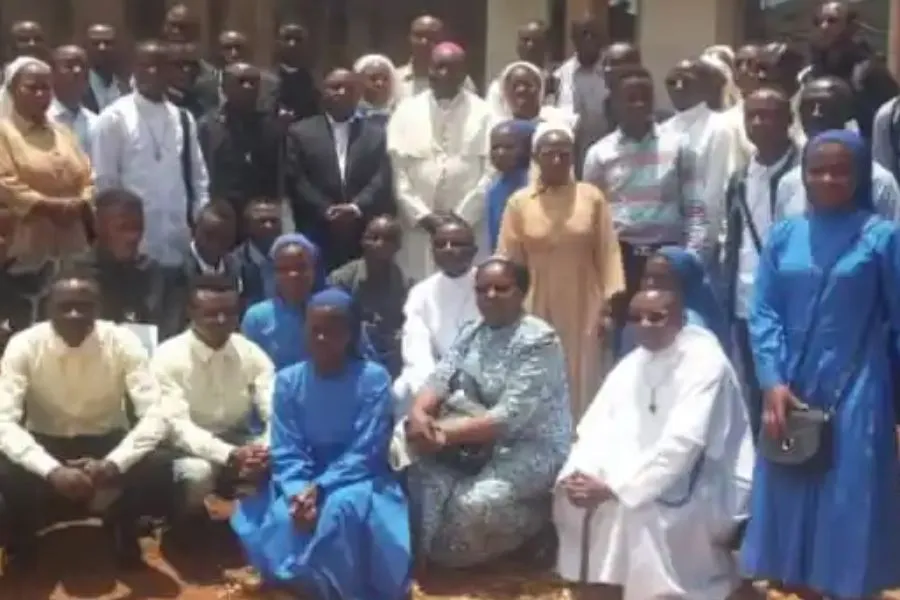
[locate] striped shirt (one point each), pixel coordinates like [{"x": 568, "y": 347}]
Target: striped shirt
[{"x": 652, "y": 189}]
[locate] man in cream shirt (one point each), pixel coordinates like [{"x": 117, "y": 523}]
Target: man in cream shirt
[
  {"x": 65, "y": 432},
  {"x": 220, "y": 386}
]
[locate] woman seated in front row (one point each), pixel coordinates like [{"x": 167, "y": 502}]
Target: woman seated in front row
[
  {"x": 437, "y": 308},
  {"x": 490, "y": 430},
  {"x": 332, "y": 522}
]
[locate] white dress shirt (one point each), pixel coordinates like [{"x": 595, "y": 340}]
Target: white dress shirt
[
  {"x": 340, "y": 131},
  {"x": 205, "y": 267},
  {"x": 81, "y": 121},
  {"x": 67, "y": 392},
  {"x": 103, "y": 93},
  {"x": 137, "y": 145},
  {"x": 760, "y": 202},
  {"x": 709, "y": 136},
  {"x": 213, "y": 391}
]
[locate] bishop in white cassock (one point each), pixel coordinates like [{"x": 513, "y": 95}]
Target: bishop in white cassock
[
  {"x": 659, "y": 478},
  {"x": 438, "y": 142}
]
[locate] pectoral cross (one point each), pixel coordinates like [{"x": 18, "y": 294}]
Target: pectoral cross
[{"x": 653, "y": 405}]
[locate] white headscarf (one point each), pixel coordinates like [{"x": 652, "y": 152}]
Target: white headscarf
[
  {"x": 7, "y": 108},
  {"x": 380, "y": 60},
  {"x": 547, "y": 127},
  {"x": 502, "y": 111},
  {"x": 731, "y": 95},
  {"x": 500, "y": 107}
]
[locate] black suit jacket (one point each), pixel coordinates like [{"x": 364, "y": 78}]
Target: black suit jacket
[
  {"x": 315, "y": 183},
  {"x": 243, "y": 158}
]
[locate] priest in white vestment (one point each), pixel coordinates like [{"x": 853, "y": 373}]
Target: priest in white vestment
[
  {"x": 438, "y": 143},
  {"x": 650, "y": 497},
  {"x": 436, "y": 310}
]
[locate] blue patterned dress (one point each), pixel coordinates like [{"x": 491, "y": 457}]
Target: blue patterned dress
[{"x": 520, "y": 371}]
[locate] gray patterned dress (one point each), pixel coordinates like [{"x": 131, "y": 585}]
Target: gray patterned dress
[{"x": 465, "y": 520}]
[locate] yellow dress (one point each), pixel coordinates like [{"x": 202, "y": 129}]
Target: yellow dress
[
  {"x": 565, "y": 237},
  {"x": 43, "y": 163}
]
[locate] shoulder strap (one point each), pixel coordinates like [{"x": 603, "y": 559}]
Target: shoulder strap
[
  {"x": 826, "y": 279},
  {"x": 741, "y": 198},
  {"x": 187, "y": 166},
  {"x": 788, "y": 165}
]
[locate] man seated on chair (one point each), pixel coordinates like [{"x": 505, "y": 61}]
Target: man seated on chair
[
  {"x": 659, "y": 478},
  {"x": 68, "y": 387},
  {"x": 220, "y": 387}
]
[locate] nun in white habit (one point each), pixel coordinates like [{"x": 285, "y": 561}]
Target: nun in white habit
[
  {"x": 659, "y": 477},
  {"x": 501, "y": 102}
]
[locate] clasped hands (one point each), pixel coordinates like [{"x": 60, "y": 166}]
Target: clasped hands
[
  {"x": 79, "y": 480},
  {"x": 250, "y": 462},
  {"x": 304, "y": 509},
  {"x": 585, "y": 491},
  {"x": 424, "y": 434}
]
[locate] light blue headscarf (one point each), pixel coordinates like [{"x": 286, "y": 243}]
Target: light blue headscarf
[
  {"x": 862, "y": 163},
  {"x": 298, "y": 239}
]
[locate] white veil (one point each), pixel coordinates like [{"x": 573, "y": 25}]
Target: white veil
[{"x": 9, "y": 73}]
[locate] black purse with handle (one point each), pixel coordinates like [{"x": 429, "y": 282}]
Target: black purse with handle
[{"x": 464, "y": 400}]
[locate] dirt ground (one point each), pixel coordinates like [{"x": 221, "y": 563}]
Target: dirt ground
[{"x": 76, "y": 565}]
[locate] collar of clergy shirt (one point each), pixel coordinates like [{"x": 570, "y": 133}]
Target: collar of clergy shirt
[
  {"x": 651, "y": 135},
  {"x": 144, "y": 102},
  {"x": 348, "y": 121},
  {"x": 203, "y": 352},
  {"x": 448, "y": 104},
  {"x": 205, "y": 267},
  {"x": 59, "y": 347}
]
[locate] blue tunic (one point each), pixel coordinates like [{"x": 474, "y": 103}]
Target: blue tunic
[
  {"x": 278, "y": 328},
  {"x": 838, "y": 532},
  {"x": 333, "y": 433}
]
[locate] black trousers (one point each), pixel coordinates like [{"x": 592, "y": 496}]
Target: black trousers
[
  {"x": 753, "y": 392},
  {"x": 30, "y": 503}
]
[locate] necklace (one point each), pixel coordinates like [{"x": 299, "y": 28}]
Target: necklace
[
  {"x": 652, "y": 407},
  {"x": 156, "y": 140}
]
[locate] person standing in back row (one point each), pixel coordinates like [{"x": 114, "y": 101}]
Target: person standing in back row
[
  {"x": 438, "y": 142},
  {"x": 425, "y": 33},
  {"x": 146, "y": 145}
]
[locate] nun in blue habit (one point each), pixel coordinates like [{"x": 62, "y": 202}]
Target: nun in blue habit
[
  {"x": 511, "y": 157},
  {"x": 333, "y": 521},
  {"x": 276, "y": 325},
  {"x": 827, "y": 294}
]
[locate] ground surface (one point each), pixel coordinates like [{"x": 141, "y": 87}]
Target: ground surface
[{"x": 76, "y": 565}]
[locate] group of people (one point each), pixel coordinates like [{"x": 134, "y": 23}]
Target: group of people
[{"x": 403, "y": 325}]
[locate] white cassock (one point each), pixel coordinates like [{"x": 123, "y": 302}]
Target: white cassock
[
  {"x": 435, "y": 311},
  {"x": 440, "y": 155},
  {"x": 663, "y": 537},
  {"x": 710, "y": 136}
]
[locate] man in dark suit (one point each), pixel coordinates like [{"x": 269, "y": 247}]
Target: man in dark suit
[
  {"x": 241, "y": 142},
  {"x": 105, "y": 85},
  {"x": 182, "y": 27},
  {"x": 189, "y": 87},
  {"x": 339, "y": 171},
  {"x": 291, "y": 88}
]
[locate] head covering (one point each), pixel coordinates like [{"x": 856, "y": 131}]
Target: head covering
[
  {"x": 724, "y": 52},
  {"x": 701, "y": 305},
  {"x": 731, "y": 95},
  {"x": 7, "y": 108},
  {"x": 339, "y": 300},
  {"x": 380, "y": 60},
  {"x": 546, "y": 127},
  {"x": 499, "y": 105},
  {"x": 506, "y": 184},
  {"x": 448, "y": 47},
  {"x": 298, "y": 239},
  {"x": 862, "y": 164}
]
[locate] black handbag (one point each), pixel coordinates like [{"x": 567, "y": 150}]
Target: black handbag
[
  {"x": 464, "y": 401},
  {"x": 808, "y": 433}
]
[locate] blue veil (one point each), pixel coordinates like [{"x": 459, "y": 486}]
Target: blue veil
[
  {"x": 862, "y": 161},
  {"x": 506, "y": 184},
  {"x": 700, "y": 302}
]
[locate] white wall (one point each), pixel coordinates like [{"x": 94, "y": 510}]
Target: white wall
[
  {"x": 671, "y": 30},
  {"x": 504, "y": 17}
]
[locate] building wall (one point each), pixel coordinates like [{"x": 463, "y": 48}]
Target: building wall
[
  {"x": 504, "y": 17},
  {"x": 670, "y": 31}
]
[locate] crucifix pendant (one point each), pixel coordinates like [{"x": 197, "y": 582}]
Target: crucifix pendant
[
  {"x": 157, "y": 154},
  {"x": 652, "y": 406}
]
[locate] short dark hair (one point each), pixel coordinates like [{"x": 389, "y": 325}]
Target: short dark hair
[
  {"x": 214, "y": 284},
  {"x": 118, "y": 198},
  {"x": 75, "y": 269},
  {"x": 520, "y": 273},
  {"x": 217, "y": 210},
  {"x": 620, "y": 75}
]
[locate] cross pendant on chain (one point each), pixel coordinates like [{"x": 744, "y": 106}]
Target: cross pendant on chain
[{"x": 652, "y": 406}]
